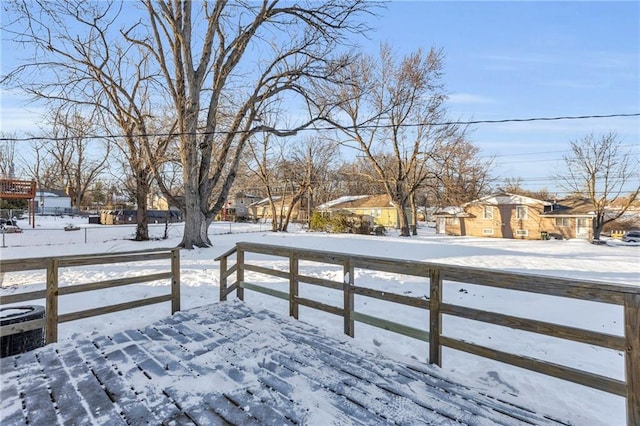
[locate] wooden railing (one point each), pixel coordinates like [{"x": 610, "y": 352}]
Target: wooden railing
[
  {"x": 53, "y": 291},
  {"x": 17, "y": 189},
  {"x": 625, "y": 295}
]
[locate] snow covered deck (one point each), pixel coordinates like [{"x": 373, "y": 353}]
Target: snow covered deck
[{"x": 228, "y": 364}]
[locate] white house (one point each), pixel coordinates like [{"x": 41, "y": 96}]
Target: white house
[{"x": 52, "y": 202}]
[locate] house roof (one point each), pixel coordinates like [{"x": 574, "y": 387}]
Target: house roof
[
  {"x": 507, "y": 198},
  {"x": 276, "y": 199},
  {"x": 452, "y": 211},
  {"x": 329, "y": 204},
  {"x": 358, "y": 202},
  {"x": 265, "y": 201},
  {"x": 571, "y": 207},
  {"x": 50, "y": 193},
  {"x": 246, "y": 195}
]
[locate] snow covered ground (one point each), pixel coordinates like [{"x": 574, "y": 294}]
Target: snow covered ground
[{"x": 615, "y": 262}]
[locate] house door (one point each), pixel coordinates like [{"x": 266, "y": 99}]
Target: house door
[
  {"x": 442, "y": 225},
  {"x": 582, "y": 228}
]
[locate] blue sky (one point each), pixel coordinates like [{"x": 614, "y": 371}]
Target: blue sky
[
  {"x": 509, "y": 60},
  {"x": 529, "y": 59}
]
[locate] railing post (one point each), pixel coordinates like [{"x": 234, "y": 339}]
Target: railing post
[
  {"x": 632, "y": 356},
  {"x": 435, "y": 317},
  {"x": 348, "y": 297},
  {"x": 51, "y": 310},
  {"x": 223, "y": 278},
  {"x": 240, "y": 272},
  {"x": 175, "y": 280},
  {"x": 293, "y": 285}
]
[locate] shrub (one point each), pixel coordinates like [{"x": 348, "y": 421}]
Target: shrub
[
  {"x": 319, "y": 221},
  {"x": 339, "y": 223}
]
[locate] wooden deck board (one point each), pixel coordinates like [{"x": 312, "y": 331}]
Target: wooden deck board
[{"x": 227, "y": 364}]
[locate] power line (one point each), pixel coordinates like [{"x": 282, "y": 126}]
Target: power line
[
  {"x": 554, "y": 178},
  {"x": 526, "y": 154},
  {"x": 332, "y": 127}
]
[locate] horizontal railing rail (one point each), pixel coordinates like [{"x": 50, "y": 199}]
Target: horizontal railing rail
[
  {"x": 628, "y": 296},
  {"x": 53, "y": 291}
]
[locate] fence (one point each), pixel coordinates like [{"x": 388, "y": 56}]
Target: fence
[
  {"x": 625, "y": 295},
  {"x": 48, "y": 235},
  {"x": 52, "y": 292}
]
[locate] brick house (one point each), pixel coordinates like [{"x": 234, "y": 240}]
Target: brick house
[{"x": 514, "y": 216}]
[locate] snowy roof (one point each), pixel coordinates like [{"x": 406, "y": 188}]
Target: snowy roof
[
  {"x": 452, "y": 210},
  {"x": 50, "y": 193},
  {"x": 343, "y": 199},
  {"x": 265, "y": 200},
  {"x": 508, "y": 198}
]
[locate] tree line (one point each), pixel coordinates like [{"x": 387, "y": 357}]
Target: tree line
[{"x": 198, "y": 98}]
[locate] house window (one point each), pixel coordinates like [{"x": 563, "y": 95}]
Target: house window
[
  {"x": 522, "y": 232},
  {"x": 487, "y": 231},
  {"x": 488, "y": 212},
  {"x": 521, "y": 212},
  {"x": 562, "y": 221}
]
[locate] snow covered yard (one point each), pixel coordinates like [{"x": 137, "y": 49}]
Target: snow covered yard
[{"x": 615, "y": 263}]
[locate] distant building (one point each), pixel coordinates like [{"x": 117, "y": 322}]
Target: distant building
[
  {"x": 378, "y": 207},
  {"x": 128, "y": 216},
  {"x": 507, "y": 215},
  {"x": 53, "y": 202},
  {"x": 261, "y": 209},
  {"x": 238, "y": 207}
]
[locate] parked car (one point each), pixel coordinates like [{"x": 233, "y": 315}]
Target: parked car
[{"x": 631, "y": 237}]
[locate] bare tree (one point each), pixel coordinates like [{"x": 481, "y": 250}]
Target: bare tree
[
  {"x": 515, "y": 186},
  {"x": 288, "y": 175},
  {"x": 390, "y": 108},
  {"x": 70, "y": 160},
  {"x": 7, "y": 155},
  {"x": 223, "y": 64},
  {"x": 79, "y": 58},
  {"x": 603, "y": 172},
  {"x": 357, "y": 178},
  {"x": 463, "y": 174},
  {"x": 262, "y": 158},
  {"x": 306, "y": 165}
]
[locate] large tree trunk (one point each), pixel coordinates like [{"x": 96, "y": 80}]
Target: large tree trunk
[
  {"x": 598, "y": 224},
  {"x": 414, "y": 214},
  {"x": 142, "y": 190},
  {"x": 196, "y": 226},
  {"x": 274, "y": 216},
  {"x": 404, "y": 222},
  {"x": 292, "y": 205}
]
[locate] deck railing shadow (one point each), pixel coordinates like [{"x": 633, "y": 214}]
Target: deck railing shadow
[{"x": 626, "y": 296}]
